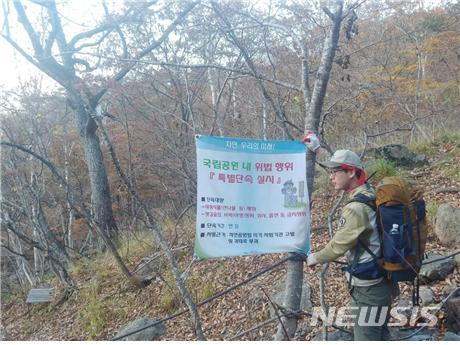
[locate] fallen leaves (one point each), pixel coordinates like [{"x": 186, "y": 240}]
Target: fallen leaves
[{"x": 234, "y": 312}]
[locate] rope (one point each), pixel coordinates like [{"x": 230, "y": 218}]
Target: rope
[
  {"x": 212, "y": 298},
  {"x": 453, "y": 293},
  {"x": 423, "y": 263},
  {"x": 410, "y": 335},
  {"x": 277, "y": 308},
  {"x": 440, "y": 259},
  {"x": 247, "y": 280},
  {"x": 284, "y": 312}
]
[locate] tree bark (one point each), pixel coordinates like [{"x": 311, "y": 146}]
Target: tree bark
[
  {"x": 294, "y": 277},
  {"x": 23, "y": 270},
  {"x": 101, "y": 199},
  {"x": 67, "y": 225}
]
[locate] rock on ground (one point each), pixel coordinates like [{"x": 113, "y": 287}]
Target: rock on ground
[
  {"x": 149, "y": 267},
  {"x": 424, "y": 335},
  {"x": 400, "y": 155},
  {"x": 334, "y": 336},
  {"x": 449, "y": 336},
  {"x": 453, "y": 314},
  {"x": 457, "y": 257},
  {"x": 448, "y": 289},
  {"x": 305, "y": 301},
  {"x": 404, "y": 307},
  {"x": 150, "y": 333},
  {"x": 438, "y": 270},
  {"x": 447, "y": 226},
  {"x": 426, "y": 295}
]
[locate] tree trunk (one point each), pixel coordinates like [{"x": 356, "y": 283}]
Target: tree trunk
[
  {"x": 67, "y": 225},
  {"x": 22, "y": 264},
  {"x": 41, "y": 225},
  {"x": 35, "y": 235},
  {"x": 37, "y": 261},
  {"x": 294, "y": 277},
  {"x": 305, "y": 74},
  {"x": 101, "y": 200},
  {"x": 264, "y": 120}
]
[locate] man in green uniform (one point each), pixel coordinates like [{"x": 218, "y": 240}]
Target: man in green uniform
[{"x": 371, "y": 292}]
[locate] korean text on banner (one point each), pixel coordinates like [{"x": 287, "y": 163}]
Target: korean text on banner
[{"x": 252, "y": 197}]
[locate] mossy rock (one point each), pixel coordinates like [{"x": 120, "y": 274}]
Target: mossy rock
[{"x": 399, "y": 154}]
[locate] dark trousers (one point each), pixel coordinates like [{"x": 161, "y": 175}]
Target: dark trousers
[{"x": 372, "y": 310}]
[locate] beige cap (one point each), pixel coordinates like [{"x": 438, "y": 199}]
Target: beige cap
[{"x": 346, "y": 157}]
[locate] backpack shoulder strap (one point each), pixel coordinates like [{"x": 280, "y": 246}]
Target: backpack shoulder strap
[
  {"x": 366, "y": 248},
  {"x": 364, "y": 199},
  {"x": 369, "y": 201}
]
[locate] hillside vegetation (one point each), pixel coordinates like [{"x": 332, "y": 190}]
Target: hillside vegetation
[
  {"x": 99, "y": 160},
  {"x": 104, "y": 302}
]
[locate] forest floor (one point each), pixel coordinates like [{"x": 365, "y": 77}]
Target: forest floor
[{"x": 104, "y": 302}]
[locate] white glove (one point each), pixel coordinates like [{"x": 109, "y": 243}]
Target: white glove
[
  {"x": 311, "y": 260},
  {"x": 311, "y": 140}
]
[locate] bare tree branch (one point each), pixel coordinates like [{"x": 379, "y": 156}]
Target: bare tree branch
[
  {"x": 155, "y": 227},
  {"x": 117, "y": 77},
  {"x": 234, "y": 39},
  {"x": 82, "y": 210},
  {"x": 112, "y": 24},
  {"x": 14, "y": 252}
]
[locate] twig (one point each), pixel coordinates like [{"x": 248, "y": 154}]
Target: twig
[
  {"x": 178, "y": 220},
  {"x": 233, "y": 38},
  {"x": 256, "y": 327},
  {"x": 276, "y": 309},
  {"x": 332, "y": 213},
  {"x": 285, "y": 312},
  {"x": 447, "y": 190},
  {"x": 388, "y": 132},
  {"x": 210, "y": 299},
  {"x": 418, "y": 173}
]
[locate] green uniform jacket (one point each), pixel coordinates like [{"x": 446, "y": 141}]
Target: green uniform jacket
[{"x": 357, "y": 221}]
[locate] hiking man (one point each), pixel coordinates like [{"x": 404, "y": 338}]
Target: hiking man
[{"x": 357, "y": 229}]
